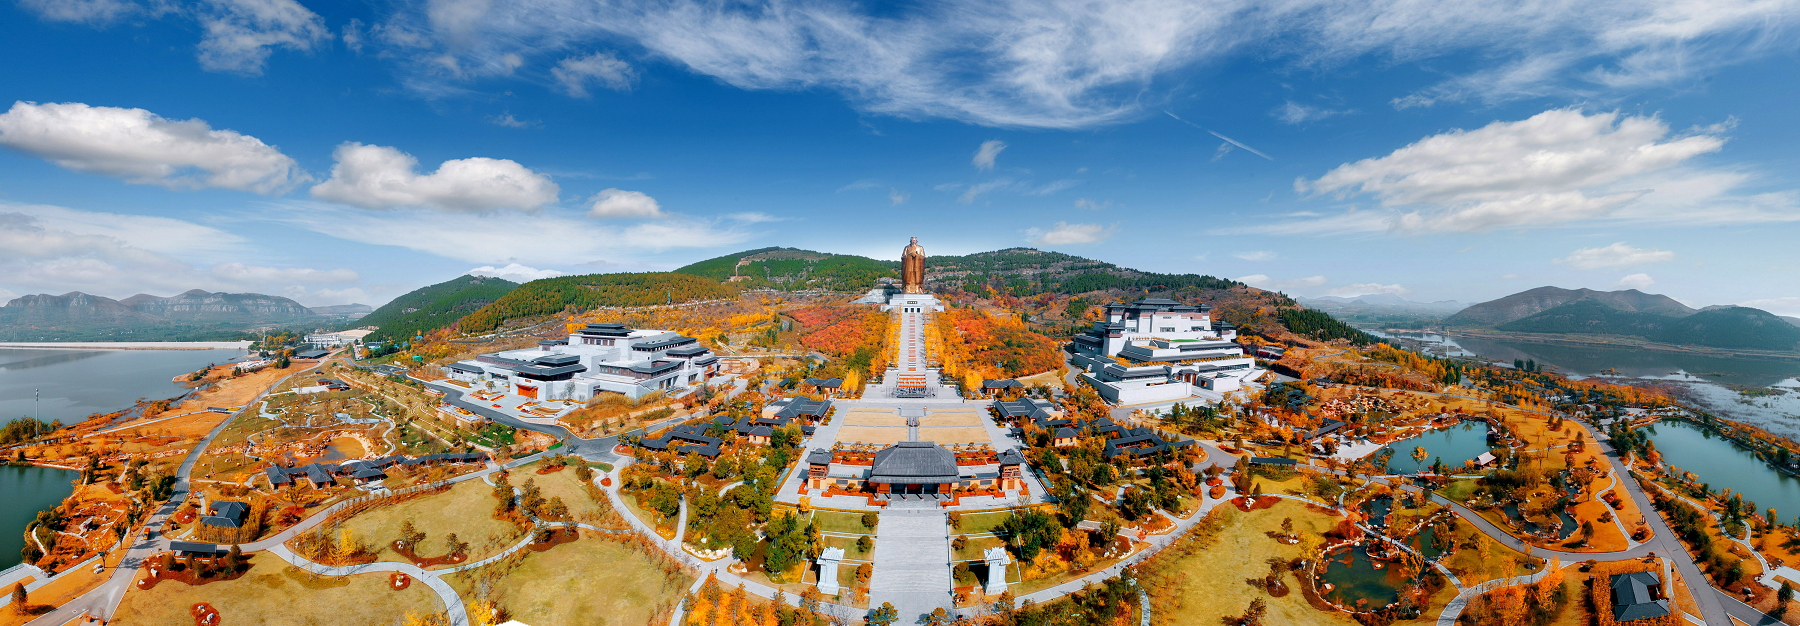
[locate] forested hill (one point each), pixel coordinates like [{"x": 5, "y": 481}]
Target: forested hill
[
  {"x": 1026, "y": 271},
  {"x": 792, "y": 269},
  {"x": 555, "y": 295},
  {"x": 429, "y": 308}
]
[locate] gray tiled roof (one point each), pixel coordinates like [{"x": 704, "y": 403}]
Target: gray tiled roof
[
  {"x": 914, "y": 462},
  {"x": 1635, "y": 597}
]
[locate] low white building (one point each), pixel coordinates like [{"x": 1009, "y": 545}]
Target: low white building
[
  {"x": 1157, "y": 350},
  {"x": 597, "y": 358}
]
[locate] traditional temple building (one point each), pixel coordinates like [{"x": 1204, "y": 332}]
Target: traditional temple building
[
  {"x": 914, "y": 468},
  {"x": 597, "y": 358}
]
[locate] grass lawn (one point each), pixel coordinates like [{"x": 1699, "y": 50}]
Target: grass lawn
[
  {"x": 653, "y": 519},
  {"x": 272, "y": 592},
  {"x": 563, "y": 484},
  {"x": 972, "y": 551},
  {"x": 837, "y": 522},
  {"x": 849, "y": 546},
  {"x": 1458, "y": 490},
  {"x": 590, "y": 581},
  {"x": 1242, "y": 551},
  {"x": 981, "y": 523},
  {"x": 1467, "y": 564},
  {"x": 467, "y": 509}
]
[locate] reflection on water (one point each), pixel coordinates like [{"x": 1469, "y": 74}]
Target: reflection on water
[
  {"x": 1725, "y": 465},
  {"x": 1359, "y": 579},
  {"x": 76, "y": 383},
  {"x": 27, "y": 490},
  {"x": 1454, "y": 445},
  {"x": 1591, "y": 359}
]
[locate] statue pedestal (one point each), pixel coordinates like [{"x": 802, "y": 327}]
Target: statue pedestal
[
  {"x": 828, "y": 571},
  {"x": 912, "y": 301}
]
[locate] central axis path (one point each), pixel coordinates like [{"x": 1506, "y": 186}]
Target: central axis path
[{"x": 912, "y": 562}]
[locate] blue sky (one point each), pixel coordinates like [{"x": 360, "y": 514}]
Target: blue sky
[{"x": 349, "y": 152}]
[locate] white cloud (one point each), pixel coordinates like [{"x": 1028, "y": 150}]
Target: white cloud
[
  {"x": 866, "y": 183},
  {"x": 240, "y": 273},
  {"x": 753, "y": 217},
  {"x": 1789, "y": 306},
  {"x": 1616, "y": 255},
  {"x": 1635, "y": 281},
  {"x": 947, "y": 186},
  {"x": 1296, "y": 113},
  {"x": 495, "y": 237},
  {"x": 1256, "y": 255},
  {"x": 1556, "y": 167},
  {"x": 985, "y": 155},
  {"x": 1084, "y": 203},
  {"x": 380, "y": 177},
  {"x": 1052, "y": 187},
  {"x": 619, "y": 203},
  {"x": 325, "y": 296},
  {"x": 97, "y": 12},
  {"x": 515, "y": 272},
  {"x": 897, "y": 198},
  {"x": 142, "y": 147},
  {"x": 240, "y": 34},
  {"x": 506, "y": 119},
  {"x": 57, "y": 250},
  {"x": 575, "y": 73},
  {"x": 1064, "y": 233},
  {"x": 1262, "y": 281},
  {"x": 981, "y": 188},
  {"x": 1363, "y": 289}
]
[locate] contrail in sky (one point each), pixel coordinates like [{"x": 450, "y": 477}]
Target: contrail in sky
[{"x": 1227, "y": 139}]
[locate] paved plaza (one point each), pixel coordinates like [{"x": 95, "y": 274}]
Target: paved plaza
[{"x": 912, "y": 562}]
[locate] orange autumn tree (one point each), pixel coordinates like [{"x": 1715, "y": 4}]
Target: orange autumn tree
[{"x": 975, "y": 345}]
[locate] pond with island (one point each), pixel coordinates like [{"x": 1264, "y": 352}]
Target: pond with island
[{"x": 1454, "y": 445}]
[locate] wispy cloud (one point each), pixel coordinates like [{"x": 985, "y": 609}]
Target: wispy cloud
[
  {"x": 1051, "y": 187},
  {"x": 866, "y": 183},
  {"x": 981, "y": 188},
  {"x": 1064, "y": 233},
  {"x": 985, "y": 155},
  {"x": 1615, "y": 255},
  {"x": 896, "y": 197},
  {"x": 1296, "y": 113},
  {"x": 1256, "y": 255},
  {"x": 506, "y": 119},
  {"x": 1084, "y": 203}
]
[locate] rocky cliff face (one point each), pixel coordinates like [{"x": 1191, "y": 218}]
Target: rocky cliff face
[
  {"x": 194, "y": 307},
  {"x": 71, "y": 308},
  {"x": 198, "y": 305}
]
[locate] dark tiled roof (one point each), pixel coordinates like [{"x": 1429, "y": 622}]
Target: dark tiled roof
[
  {"x": 825, "y": 382},
  {"x": 818, "y": 457},
  {"x": 1264, "y": 460},
  {"x": 1011, "y": 457},
  {"x": 310, "y": 354},
  {"x": 195, "y": 547},
  {"x": 460, "y": 367},
  {"x": 762, "y": 431},
  {"x": 914, "y": 462},
  {"x": 221, "y": 521},
  {"x": 1001, "y": 383},
  {"x": 1065, "y": 433},
  {"x": 804, "y": 407},
  {"x": 1636, "y": 597}
]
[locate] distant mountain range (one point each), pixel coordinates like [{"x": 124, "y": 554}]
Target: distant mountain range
[
  {"x": 192, "y": 315},
  {"x": 1381, "y": 303},
  {"x": 1553, "y": 310}
]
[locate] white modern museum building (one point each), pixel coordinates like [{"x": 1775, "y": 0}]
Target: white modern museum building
[
  {"x": 596, "y": 358},
  {"x": 1156, "y": 350}
]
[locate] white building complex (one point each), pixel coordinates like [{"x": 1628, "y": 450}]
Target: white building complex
[
  {"x": 1157, "y": 350},
  {"x": 597, "y": 358}
]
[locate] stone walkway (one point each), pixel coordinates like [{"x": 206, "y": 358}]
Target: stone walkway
[{"x": 912, "y": 562}]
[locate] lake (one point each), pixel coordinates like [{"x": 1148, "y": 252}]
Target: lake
[
  {"x": 1722, "y": 464},
  {"x": 77, "y": 383},
  {"x": 27, "y": 490},
  {"x": 1454, "y": 445},
  {"x": 1698, "y": 379}
]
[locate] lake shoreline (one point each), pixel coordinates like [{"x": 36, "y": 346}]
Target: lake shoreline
[
  {"x": 129, "y": 345},
  {"x": 1580, "y": 341}
]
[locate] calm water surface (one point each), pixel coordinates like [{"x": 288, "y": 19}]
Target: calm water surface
[
  {"x": 27, "y": 490},
  {"x": 74, "y": 384},
  {"x": 78, "y": 383},
  {"x": 1454, "y": 445},
  {"x": 1725, "y": 465}
]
